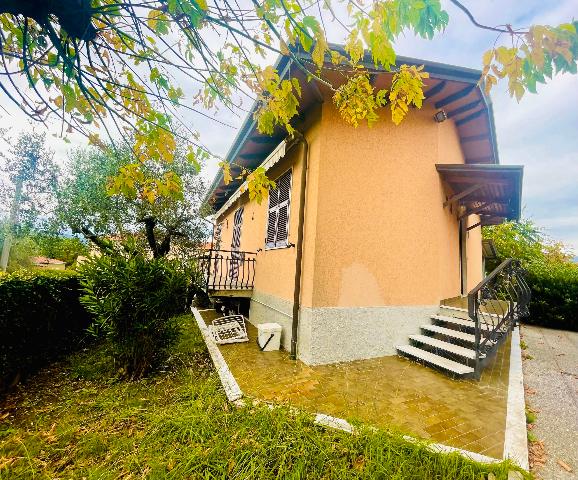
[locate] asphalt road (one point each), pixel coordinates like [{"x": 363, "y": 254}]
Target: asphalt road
[{"x": 551, "y": 381}]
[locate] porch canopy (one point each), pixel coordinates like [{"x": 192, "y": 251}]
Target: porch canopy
[{"x": 494, "y": 192}]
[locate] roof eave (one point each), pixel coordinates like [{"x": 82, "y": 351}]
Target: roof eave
[{"x": 439, "y": 70}]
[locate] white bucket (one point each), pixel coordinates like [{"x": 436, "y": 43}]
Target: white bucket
[{"x": 269, "y": 336}]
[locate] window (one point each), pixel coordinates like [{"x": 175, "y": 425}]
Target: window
[{"x": 278, "y": 214}]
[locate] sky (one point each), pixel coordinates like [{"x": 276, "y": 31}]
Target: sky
[{"x": 540, "y": 133}]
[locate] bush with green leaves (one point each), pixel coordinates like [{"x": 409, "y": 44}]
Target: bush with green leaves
[
  {"x": 551, "y": 274},
  {"x": 134, "y": 300},
  {"x": 40, "y": 318}
]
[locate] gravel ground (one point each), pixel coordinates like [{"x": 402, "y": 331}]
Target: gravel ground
[{"x": 551, "y": 381}]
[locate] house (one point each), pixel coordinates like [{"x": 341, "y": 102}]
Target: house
[
  {"x": 47, "y": 263},
  {"x": 370, "y": 230}
]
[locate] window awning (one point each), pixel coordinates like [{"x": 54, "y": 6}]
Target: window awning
[
  {"x": 494, "y": 192},
  {"x": 277, "y": 154}
]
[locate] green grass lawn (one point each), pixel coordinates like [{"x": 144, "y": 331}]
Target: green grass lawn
[{"x": 77, "y": 420}]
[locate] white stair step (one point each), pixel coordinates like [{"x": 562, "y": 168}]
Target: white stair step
[
  {"x": 445, "y": 346},
  {"x": 466, "y": 337},
  {"x": 433, "y": 359},
  {"x": 459, "y": 312},
  {"x": 454, "y": 320},
  {"x": 454, "y": 312},
  {"x": 484, "y": 328}
]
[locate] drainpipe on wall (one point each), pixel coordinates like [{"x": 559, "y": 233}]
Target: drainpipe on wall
[{"x": 299, "y": 255}]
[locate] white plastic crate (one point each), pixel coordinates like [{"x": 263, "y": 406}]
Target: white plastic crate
[{"x": 229, "y": 329}]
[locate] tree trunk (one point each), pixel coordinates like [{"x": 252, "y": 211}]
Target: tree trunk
[
  {"x": 13, "y": 219},
  {"x": 158, "y": 250}
]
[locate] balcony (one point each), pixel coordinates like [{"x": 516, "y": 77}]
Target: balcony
[{"x": 228, "y": 273}]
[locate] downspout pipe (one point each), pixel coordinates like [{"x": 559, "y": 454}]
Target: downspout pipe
[{"x": 299, "y": 246}]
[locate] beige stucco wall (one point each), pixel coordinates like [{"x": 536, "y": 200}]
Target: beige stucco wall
[
  {"x": 382, "y": 234},
  {"x": 275, "y": 269},
  {"x": 376, "y": 232},
  {"x": 380, "y": 251}
]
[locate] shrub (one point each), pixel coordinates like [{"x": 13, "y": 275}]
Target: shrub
[
  {"x": 551, "y": 275},
  {"x": 40, "y": 318},
  {"x": 554, "y": 294},
  {"x": 134, "y": 300}
]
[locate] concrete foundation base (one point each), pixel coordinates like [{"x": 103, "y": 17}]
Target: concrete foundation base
[{"x": 342, "y": 334}]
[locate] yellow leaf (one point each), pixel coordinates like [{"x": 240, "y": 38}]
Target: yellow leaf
[
  {"x": 318, "y": 54},
  {"x": 488, "y": 56},
  {"x": 227, "y": 177}
]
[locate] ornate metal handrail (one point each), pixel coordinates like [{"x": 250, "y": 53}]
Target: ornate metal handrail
[
  {"x": 228, "y": 269},
  {"x": 495, "y": 305}
]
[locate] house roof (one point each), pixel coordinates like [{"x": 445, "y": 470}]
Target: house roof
[
  {"x": 451, "y": 88},
  {"x": 45, "y": 261},
  {"x": 494, "y": 192}
]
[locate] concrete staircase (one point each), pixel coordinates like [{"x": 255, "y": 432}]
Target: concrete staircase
[{"x": 446, "y": 344}]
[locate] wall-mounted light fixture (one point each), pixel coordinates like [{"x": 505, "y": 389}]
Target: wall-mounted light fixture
[{"x": 440, "y": 116}]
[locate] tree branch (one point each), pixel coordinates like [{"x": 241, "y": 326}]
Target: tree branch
[
  {"x": 103, "y": 244},
  {"x": 469, "y": 14}
]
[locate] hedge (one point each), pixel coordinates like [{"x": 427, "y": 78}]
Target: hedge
[
  {"x": 40, "y": 318},
  {"x": 551, "y": 274},
  {"x": 554, "y": 295}
]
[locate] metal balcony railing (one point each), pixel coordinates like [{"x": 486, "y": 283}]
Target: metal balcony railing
[
  {"x": 228, "y": 269},
  {"x": 495, "y": 305}
]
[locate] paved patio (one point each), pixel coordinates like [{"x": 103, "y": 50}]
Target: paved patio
[{"x": 388, "y": 392}]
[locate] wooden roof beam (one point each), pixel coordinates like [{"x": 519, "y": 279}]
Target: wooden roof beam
[
  {"x": 455, "y": 96},
  {"x": 464, "y": 108},
  {"x": 436, "y": 89},
  {"x": 473, "y": 211},
  {"x": 462, "y": 194},
  {"x": 469, "y": 118}
]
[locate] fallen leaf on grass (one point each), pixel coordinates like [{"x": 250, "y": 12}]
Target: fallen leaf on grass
[
  {"x": 564, "y": 465},
  {"x": 50, "y": 437},
  {"x": 6, "y": 462},
  {"x": 359, "y": 463}
]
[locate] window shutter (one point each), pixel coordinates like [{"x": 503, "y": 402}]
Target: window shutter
[
  {"x": 282, "y": 225},
  {"x": 284, "y": 188},
  {"x": 278, "y": 216},
  {"x": 271, "y": 224},
  {"x": 273, "y": 198}
]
